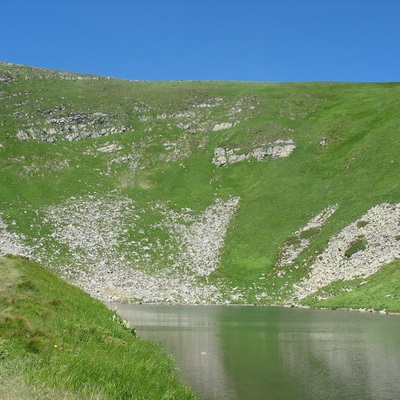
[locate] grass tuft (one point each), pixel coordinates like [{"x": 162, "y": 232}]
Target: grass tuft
[
  {"x": 356, "y": 245},
  {"x": 309, "y": 233},
  {"x": 35, "y": 345},
  {"x": 15, "y": 326}
]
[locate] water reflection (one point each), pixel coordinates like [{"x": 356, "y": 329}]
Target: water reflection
[
  {"x": 275, "y": 353},
  {"x": 353, "y": 356},
  {"x": 189, "y": 334}
]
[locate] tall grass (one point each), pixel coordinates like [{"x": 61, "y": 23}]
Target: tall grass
[{"x": 57, "y": 342}]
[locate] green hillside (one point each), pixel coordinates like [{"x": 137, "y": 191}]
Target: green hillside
[
  {"x": 204, "y": 192},
  {"x": 58, "y": 343}
]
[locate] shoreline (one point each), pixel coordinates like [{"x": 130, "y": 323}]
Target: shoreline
[{"x": 359, "y": 310}]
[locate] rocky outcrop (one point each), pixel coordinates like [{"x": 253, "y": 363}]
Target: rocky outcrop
[
  {"x": 198, "y": 117},
  {"x": 72, "y": 127},
  {"x": 6, "y": 78},
  {"x": 109, "y": 148},
  {"x": 222, "y": 126},
  {"x": 220, "y": 157},
  {"x": 279, "y": 149}
]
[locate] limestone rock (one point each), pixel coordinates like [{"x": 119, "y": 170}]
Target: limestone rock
[
  {"x": 323, "y": 142},
  {"x": 6, "y": 78},
  {"x": 281, "y": 148},
  {"x": 219, "y": 157},
  {"x": 259, "y": 154},
  {"x": 234, "y": 158},
  {"x": 277, "y": 149},
  {"x": 23, "y": 136},
  {"x": 221, "y": 126},
  {"x": 109, "y": 148}
]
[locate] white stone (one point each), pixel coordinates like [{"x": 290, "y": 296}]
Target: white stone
[{"x": 222, "y": 126}]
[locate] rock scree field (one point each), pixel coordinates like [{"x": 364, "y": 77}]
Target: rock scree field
[{"x": 200, "y": 192}]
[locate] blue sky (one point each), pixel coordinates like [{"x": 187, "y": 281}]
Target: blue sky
[{"x": 246, "y": 40}]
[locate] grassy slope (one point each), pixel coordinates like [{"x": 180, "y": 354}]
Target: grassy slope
[
  {"x": 358, "y": 169},
  {"x": 380, "y": 291},
  {"x": 57, "y": 342}
]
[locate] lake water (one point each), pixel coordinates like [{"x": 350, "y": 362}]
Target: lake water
[{"x": 272, "y": 353}]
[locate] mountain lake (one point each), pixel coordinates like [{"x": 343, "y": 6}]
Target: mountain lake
[{"x": 274, "y": 353}]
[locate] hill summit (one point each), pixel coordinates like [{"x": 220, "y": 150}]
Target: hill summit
[{"x": 204, "y": 192}]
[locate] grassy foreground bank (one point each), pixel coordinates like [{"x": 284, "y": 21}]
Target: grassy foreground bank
[{"x": 56, "y": 342}]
